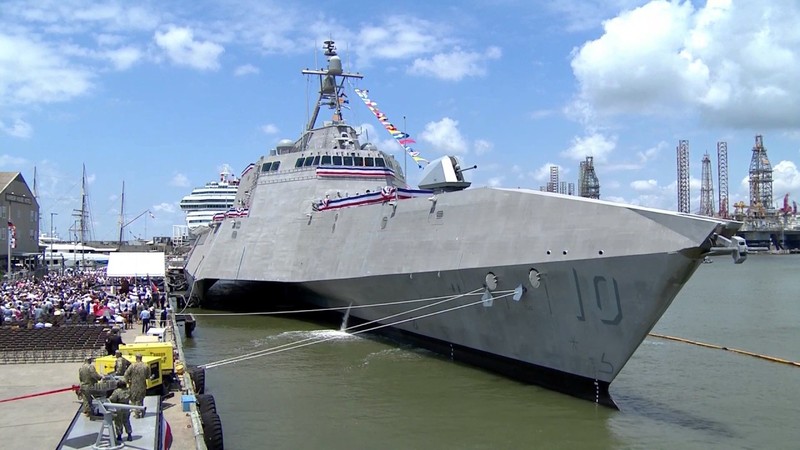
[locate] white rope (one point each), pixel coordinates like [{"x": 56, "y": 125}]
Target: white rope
[
  {"x": 305, "y": 343},
  {"x": 333, "y": 308},
  {"x": 235, "y": 358},
  {"x": 289, "y": 344}
]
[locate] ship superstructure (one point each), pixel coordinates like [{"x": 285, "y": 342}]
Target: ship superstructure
[{"x": 515, "y": 280}]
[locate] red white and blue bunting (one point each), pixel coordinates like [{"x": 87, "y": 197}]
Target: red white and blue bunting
[{"x": 386, "y": 194}]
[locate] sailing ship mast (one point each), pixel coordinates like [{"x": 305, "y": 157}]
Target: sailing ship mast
[{"x": 122, "y": 214}]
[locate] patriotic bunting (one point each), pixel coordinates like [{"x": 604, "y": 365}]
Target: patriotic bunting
[
  {"x": 384, "y": 195},
  {"x": 402, "y": 138}
]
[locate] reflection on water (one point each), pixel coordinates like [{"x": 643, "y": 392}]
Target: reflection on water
[{"x": 369, "y": 392}]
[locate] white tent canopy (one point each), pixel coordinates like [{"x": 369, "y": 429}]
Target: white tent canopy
[{"x": 136, "y": 264}]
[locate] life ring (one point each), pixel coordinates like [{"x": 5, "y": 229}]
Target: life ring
[{"x": 212, "y": 431}]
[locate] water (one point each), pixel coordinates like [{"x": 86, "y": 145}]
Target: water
[{"x": 366, "y": 392}]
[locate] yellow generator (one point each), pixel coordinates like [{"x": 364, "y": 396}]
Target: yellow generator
[
  {"x": 105, "y": 366},
  {"x": 162, "y": 350}
]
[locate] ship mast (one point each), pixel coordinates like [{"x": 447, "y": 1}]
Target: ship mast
[
  {"x": 122, "y": 214},
  {"x": 331, "y": 88}
]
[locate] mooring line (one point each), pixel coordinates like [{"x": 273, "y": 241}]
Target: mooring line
[
  {"x": 271, "y": 351},
  {"x": 734, "y": 350},
  {"x": 295, "y": 343},
  {"x": 342, "y": 308}
]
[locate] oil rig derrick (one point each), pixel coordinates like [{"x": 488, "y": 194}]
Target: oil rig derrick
[
  {"x": 760, "y": 182},
  {"x": 683, "y": 176},
  {"x": 588, "y": 184},
  {"x": 706, "y": 189},
  {"x": 722, "y": 174}
]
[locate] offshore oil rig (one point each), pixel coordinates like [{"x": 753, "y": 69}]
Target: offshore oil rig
[{"x": 765, "y": 225}]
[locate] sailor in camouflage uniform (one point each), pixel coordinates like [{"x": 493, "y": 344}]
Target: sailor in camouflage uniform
[
  {"x": 136, "y": 376},
  {"x": 121, "y": 364},
  {"x": 88, "y": 377},
  {"x": 122, "y": 417}
]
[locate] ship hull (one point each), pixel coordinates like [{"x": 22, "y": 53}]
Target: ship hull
[{"x": 442, "y": 271}]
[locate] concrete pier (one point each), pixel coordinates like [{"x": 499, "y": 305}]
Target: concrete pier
[{"x": 39, "y": 422}]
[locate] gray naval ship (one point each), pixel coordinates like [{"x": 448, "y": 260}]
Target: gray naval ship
[{"x": 546, "y": 288}]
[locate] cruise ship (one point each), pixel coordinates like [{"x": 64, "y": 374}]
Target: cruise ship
[{"x": 215, "y": 197}]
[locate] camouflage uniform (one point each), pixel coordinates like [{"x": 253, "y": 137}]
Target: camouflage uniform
[
  {"x": 121, "y": 365},
  {"x": 122, "y": 417},
  {"x": 88, "y": 377},
  {"x": 136, "y": 376}
]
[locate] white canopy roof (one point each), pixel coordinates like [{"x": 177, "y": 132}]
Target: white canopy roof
[{"x": 136, "y": 264}]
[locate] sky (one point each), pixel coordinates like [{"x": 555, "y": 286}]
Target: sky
[{"x": 160, "y": 95}]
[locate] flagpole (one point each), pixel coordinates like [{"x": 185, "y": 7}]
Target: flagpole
[
  {"x": 405, "y": 152},
  {"x": 8, "y": 240}
]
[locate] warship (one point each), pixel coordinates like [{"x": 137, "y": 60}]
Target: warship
[{"x": 550, "y": 289}]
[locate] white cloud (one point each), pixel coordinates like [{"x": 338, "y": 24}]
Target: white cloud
[
  {"x": 19, "y": 129},
  {"x": 644, "y": 185},
  {"x": 399, "y": 37},
  {"x": 33, "y": 72},
  {"x": 164, "y": 207},
  {"x": 595, "y": 144},
  {"x": 179, "y": 180},
  {"x": 482, "y": 146},
  {"x": 270, "y": 128},
  {"x": 732, "y": 63},
  {"x": 247, "y": 69},
  {"x": 786, "y": 178},
  {"x": 455, "y": 65},
  {"x": 182, "y": 48},
  {"x": 444, "y": 136},
  {"x": 12, "y": 161},
  {"x": 125, "y": 57}
]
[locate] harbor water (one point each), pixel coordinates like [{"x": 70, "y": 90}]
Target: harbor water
[{"x": 369, "y": 392}]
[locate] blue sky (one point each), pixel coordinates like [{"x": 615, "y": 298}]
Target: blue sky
[{"x": 162, "y": 94}]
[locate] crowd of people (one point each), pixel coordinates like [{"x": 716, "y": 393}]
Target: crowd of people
[{"x": 80, "y": 298}]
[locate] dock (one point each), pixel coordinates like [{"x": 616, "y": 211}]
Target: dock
[{"x": 40, "y": 410}]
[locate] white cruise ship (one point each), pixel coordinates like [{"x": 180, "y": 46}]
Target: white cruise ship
[{"x": 215, "y": 197}]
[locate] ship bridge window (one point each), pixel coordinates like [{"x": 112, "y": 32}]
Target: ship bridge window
[
  {"x": 379, "y": 162},
  {"x": 299, "y": 163},
  {"x": 309, "y": 161},
  {"x": 275, "y": 165},
  {"x": 358, "y": 161},
  {"x": 316, "y": 160},
  {"x": 326, "y": 160},
  {"x": 348, "y": 160},
  {"x": 337, "y": 160},
  {"x": 369, "y": 161},
  {"x": 266, "y": 167}
]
